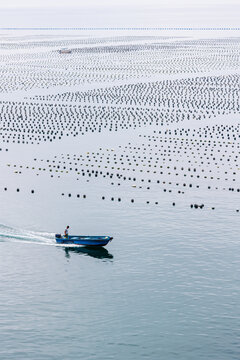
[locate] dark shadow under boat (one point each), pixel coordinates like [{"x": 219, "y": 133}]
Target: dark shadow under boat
[{"x": 98, "y": 253}]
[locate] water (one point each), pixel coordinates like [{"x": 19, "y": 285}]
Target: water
[
  {"x": 168, "y": 289},
  {"x": 167, "y": 286}
]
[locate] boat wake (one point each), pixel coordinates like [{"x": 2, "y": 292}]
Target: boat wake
[
  {"x": 23, "y": 236},
  {"x": 11, "y": 234}
]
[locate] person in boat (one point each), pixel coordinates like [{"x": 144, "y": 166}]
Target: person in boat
[{"x": 66, "y": 232}]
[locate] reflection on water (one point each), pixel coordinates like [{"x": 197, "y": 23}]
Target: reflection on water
[{"x": 98, "y": 253}]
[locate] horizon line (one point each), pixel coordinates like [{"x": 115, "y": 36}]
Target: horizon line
[{"x": 120, "y": 28}]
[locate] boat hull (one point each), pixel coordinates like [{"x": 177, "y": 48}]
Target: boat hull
[{"x": 83, "y": 240}]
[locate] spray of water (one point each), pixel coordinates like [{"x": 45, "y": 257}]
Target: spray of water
[{"x": 11, "y": 234}]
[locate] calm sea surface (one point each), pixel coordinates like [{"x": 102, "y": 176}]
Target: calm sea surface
[
  {"x": 126, "y": 162},
  {"x": 166, "y": 287}
]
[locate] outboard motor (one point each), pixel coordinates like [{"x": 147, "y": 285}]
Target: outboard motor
[{"x": 58, "y": 236}]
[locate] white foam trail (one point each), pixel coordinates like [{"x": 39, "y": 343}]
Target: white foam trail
[{"x": 8, "y": 233}]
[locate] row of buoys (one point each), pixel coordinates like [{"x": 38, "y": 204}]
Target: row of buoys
[
  {"x": 38, "y": 121},
  {"x": 190, "y": 91},
  {"x": 148, "y": 188},
  {"x": 97, "y": 172},
  {"x": 196, "y": 206},
  {"x": 78, "y": 195},
  {"x": 153, "y": 58},
  {"x": 196, "y": 157},
  {"x": 42, "y": 122},
  {"x": 18, "y": 190}
]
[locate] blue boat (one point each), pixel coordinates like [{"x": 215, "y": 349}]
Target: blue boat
[{"x": 83, "y": 240}]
